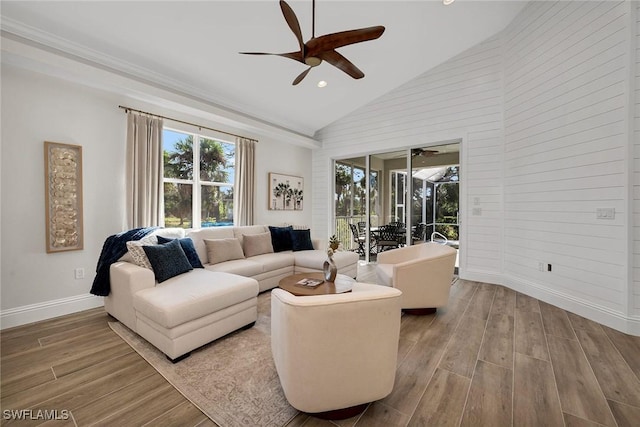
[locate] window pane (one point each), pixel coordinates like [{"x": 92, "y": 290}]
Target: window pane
[
  {"x": 217, "y": 205},
  {"x": 359, "y": 186},
  {"x": 217, "y": 161},
  {"x": 178, "y": 154},
  {"x": 178, "y": 205},
  {"x": 343, "y": 189}
]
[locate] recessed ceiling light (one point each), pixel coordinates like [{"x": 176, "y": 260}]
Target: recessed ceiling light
[
  {"x": 447, "y": 2},
  {"x": 322, "y": 83}
]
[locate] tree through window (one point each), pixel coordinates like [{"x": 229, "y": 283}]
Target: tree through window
[{"x": 198, "y": 180}]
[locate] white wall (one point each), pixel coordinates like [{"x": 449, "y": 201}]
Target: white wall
[
  {"x": 544, "y": 108},
  {"x": 565, "y": 150},
  {"x": 286, "y": 159},
  {"x": 459, "y": 100},
  {"x": 37, "y": 108}
]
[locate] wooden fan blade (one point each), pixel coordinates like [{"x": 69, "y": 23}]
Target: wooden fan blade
[
  {"x": 339, "y": 61},
  {"x": 343, "y": 38},
  {"x": 296, "y": 56},
  {"x": 301, "y": 76},
  {"x": 292, "y": 21}
]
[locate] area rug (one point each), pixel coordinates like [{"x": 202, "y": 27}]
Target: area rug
[{"x": 232, "y": 380}]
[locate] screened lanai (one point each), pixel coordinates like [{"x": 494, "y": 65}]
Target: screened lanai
[{"x": 416, "y": 190}]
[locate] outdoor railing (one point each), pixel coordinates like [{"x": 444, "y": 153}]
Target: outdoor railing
[{"x": 343, "y": 231}]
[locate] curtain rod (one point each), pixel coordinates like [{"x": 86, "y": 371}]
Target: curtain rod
[{"x": 126, "y": 109}]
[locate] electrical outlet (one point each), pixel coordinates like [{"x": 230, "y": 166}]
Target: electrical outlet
[
  {"x": 78, "y": 273},
  {"x": 476, "y": 211},
  {"x": 541, "y": 266},
  {"x": 549, "y": 267}
]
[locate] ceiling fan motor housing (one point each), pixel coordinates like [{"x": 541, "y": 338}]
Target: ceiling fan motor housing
[{"x": 312, "y": 61}]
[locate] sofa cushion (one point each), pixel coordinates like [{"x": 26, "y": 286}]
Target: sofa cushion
[
  {"x": 257, "y": 244},
  {"x": 280, "y": 238},
  {"x": 221, "y": 250},
  {"x": 189, "y": 250},
  {"x": 274, "y": 261},
  {"x": 168, "y": 233},
  {"x": 193, "y": 295},
  {"x": 301, "y": 240},
  {"x": 243, "y": 267},
  {"x": 315, "y": 259},
  {"x": 240, "y": 231},
  {"x": 138, "y": 256},
  {"x": 168, "y": 260},
  {"x": 200, "y": 234}
]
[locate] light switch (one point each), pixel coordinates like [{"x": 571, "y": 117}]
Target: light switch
[{"x": 605, "y": 213}]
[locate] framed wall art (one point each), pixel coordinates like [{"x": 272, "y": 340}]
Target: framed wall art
[
  {"x": 63, "y": 196},
  {"x": 285, "y": 192}
]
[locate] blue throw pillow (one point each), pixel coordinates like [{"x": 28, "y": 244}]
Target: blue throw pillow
[
  {"x": 188, "y": 248},
  {"x": 281, "y": 238},
  {"x": 167, "y": 260},
  {"x": 301, "y": 240}
]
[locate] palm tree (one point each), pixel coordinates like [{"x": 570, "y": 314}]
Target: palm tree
[
  {"x": 282, "y": 190},
  {"x": 178, "y": 164},
  {"x": 297, "y": 197}
]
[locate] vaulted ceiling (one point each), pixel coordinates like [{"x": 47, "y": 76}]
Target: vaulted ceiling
[{"x": 191, "y": 47}]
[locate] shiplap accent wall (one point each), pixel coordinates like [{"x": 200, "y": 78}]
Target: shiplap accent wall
[
  {"x": 565, "y": 150},
  {"x": 636, "y": 164},
  {"x": 542, "y": 107},
  {"x": 459, "y": 100}
]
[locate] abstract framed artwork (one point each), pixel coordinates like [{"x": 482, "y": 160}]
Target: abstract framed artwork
[
  {"x": 63, "y": 197},
  {"x": 285, "y": 192}
]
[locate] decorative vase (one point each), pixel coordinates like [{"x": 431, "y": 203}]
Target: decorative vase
[{"x": 330, "y": 270}]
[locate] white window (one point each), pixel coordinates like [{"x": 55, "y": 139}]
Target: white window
[{"x": 199, "y": 174}]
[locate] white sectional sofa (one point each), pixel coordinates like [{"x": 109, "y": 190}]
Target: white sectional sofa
[
  {"x": 198, "y": 306},
  {"x": 269, "y": 268}
]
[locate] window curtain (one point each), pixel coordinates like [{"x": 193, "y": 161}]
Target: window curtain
[
  {"x": 245, "y": 182},
  {"x": 144, "y": 169}
]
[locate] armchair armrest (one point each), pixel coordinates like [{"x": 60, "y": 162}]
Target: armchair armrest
[{"x": 399, "y": 255}]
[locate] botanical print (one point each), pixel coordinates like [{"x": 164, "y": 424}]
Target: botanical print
[{"x": 285, "y": 192}]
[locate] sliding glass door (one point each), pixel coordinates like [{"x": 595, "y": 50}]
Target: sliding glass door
[{"x": 396, "y": 198}]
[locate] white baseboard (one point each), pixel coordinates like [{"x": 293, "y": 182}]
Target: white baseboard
[
  {"x": 481, "y": 276},
  {"x": 613, "y": 319},
  {"x": 47, "y": 310},
  {"x": 597, "y": 313}
]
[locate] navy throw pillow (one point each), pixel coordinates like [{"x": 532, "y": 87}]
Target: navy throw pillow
[
  {"x": 301, "y": 240},
  {"x": 281, "y": 238},
  {"x": 188, "y": 248},
  {"x": 167, "y": 260}
]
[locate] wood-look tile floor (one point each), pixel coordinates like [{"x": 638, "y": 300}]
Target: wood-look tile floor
[{"x": 492, "y": 357}]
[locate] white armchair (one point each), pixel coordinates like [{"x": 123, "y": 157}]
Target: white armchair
[
  {"x": 422, "y": 272},
  {"x": 336, "y": 353}
]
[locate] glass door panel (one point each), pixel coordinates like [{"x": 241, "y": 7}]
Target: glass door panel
[{"x": 350, "y": 200}]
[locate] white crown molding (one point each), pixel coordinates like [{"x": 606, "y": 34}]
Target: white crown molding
[
  {"x": 75, "y": 51},
  {"x": 47, "y": 310}
]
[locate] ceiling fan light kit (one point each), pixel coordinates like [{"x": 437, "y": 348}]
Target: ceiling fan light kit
[{"x": 322, "y": 48}]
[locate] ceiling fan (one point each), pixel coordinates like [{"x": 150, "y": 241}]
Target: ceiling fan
[{"x": 322, "y": 48}]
